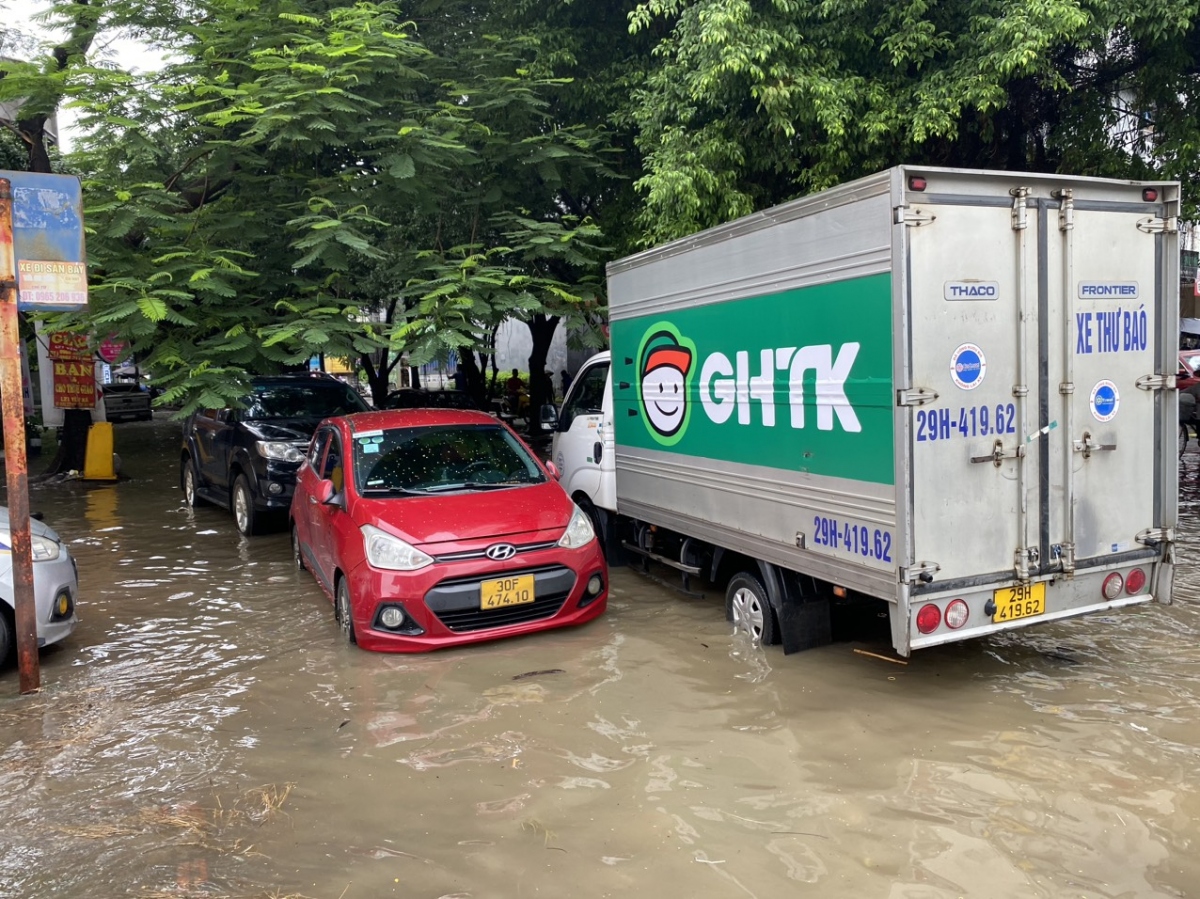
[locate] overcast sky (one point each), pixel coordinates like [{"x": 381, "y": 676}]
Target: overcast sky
[{"x": 130, "y": 54}]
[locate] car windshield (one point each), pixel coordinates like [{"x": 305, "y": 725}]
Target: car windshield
[
  {"x": 304, "y": 399},
  {"x": 423, "y": 460},
  {"x": 1192, "y": 362}
]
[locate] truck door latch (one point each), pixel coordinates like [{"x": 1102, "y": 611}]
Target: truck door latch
[
  {"x": 1155, "y": 536},
  {"x": 1154, "y": 225},
  {"x": 999, "y": 454},
  {"x": 1156, "y": 382},
  {"x": 1087, "y": 447}
]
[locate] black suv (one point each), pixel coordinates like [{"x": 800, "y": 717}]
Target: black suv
[{"x": 246, "y": 459}]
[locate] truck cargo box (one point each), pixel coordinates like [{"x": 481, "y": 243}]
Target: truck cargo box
[{"x": 925, "y": 386}]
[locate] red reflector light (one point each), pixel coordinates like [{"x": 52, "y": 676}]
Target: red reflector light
[
  {"x": 916, "y": 182},
  {"x": 957, "y": 614},
  {"x": 928, "y": 619},
  {"x": 1112, "y": 585},
  {"x": 1135, "y": 581},
  {"x": 1149, "y": 194}
]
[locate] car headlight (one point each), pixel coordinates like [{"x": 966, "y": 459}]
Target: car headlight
[
  {"x": 43, "y": 548},
  {"x": 579, "y": 532},
  {"x": 279, "y": 451},
  {"x": 387, "y": 551}
]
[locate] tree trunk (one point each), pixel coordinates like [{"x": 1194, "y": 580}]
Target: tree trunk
[{"x": 541, "y": 388}]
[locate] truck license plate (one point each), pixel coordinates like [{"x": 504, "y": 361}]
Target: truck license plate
[
  {"x": 1019, "y": 601},
  {"x": 506, "y": 591}
]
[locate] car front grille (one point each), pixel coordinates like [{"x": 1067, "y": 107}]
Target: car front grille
[{"x": 456, "y": 602}]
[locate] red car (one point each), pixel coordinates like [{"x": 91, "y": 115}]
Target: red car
[
  {"x": 435, "y": 527},
  {"x": 1189, "y": 369}
]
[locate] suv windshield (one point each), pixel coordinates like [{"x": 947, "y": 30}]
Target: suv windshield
[
  {"x": 303, "y": 399},
  {"x": 435, "y": 459}
]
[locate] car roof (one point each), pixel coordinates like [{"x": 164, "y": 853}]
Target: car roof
[
  {"x": 295, "y": 378},
  {"x": 383, "y": 419}
]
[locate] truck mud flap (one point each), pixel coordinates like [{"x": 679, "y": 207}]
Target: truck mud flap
[{"x": 804, "y": 619}]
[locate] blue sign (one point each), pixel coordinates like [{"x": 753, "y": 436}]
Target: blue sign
[
  {"x": 1105, "y": 401},
  {"x": 47, "y": 212},
  {"x": 968, "y": 366}
]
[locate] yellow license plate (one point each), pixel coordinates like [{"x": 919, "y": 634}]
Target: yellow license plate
[
  {"x": 1019, "y": 601},
  {"x": 506, "y": 591}
]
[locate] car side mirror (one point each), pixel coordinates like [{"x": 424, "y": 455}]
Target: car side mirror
[
  {"x": 325, "y": 491},
  {"x": 549, "y": 417},
  {"x": 553, "y": 469}
]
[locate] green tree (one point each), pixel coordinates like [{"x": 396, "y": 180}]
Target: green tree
[{"x": 755, "y": 103}]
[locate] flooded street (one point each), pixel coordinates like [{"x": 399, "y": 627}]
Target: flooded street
[{"x": 204, "y": 732}]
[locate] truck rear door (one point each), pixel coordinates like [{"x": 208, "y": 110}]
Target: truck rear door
[{"x": 1035, "y": 415}]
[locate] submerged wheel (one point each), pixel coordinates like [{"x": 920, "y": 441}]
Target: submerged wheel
[
  {"x": 297, "y": 553},
  {"x": 243, "y": 507},
  {"x": 342, "y": 613},
  {"x": 747, "y": 606},
  {"x": 187, "y": 481},
  {"x": 8, "y": 637}
]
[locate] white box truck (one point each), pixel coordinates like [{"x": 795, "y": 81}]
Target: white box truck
[{"x": 950, "y": 390}]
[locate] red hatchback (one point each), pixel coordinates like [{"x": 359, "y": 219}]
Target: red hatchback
[{"x": 431, "y": 528}]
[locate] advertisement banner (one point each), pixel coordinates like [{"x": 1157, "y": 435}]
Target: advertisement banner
[
  {"x": 74, "y": 371},
  {"x": 799, "y": 380}
]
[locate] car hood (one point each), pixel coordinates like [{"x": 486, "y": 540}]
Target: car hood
[
  {"x": 471, "y": 515},
  {"x": 40, "y": 528},
  {"x": 292, "y": 429}
]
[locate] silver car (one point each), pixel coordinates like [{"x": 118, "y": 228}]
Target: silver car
[{"x": 55, "y": 586}]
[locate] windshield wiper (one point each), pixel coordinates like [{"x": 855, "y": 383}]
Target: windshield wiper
[
  {"x": 394, "y": 491},
  {"x": 476, "y": 485}
]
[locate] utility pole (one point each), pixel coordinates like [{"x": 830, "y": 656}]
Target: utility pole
[{"x": 15, "y": 463}]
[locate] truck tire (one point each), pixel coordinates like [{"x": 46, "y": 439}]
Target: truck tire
[
  {"x": 747, "y": 606},
  {"x": 8, "y": 635}
]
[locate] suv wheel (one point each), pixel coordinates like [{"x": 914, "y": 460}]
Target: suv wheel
[
  {"x": 243, "y": 507},
  {"x": 187, "y": 481}
]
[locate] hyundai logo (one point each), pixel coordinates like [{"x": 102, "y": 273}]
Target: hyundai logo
[{"x": 500, "y": 552}]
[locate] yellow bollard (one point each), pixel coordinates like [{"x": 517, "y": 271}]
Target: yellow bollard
[{"x": 98, "y": 457}]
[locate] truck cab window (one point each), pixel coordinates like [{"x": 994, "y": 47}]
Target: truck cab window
[{"x": 587, "y": 395}]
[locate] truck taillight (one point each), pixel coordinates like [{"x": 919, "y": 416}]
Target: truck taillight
[
  {"x": 916, "y": 182},
  {"x": 1135, "y": 581},
  {"x": 957, "y": 614},
  {"x": 929, "y": 618},
  {"x": 1149, "y": 194},
  {"x": 1112, "y": 585}
]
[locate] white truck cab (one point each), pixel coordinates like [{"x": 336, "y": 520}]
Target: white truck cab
[{"x": 583, "y": 447}]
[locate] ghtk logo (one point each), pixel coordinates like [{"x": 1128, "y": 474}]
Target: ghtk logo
[
  {"x": 664, "y": 368},
  {"x": 730, "y": 389}
]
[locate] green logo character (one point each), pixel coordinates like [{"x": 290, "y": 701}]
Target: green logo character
[{"x": 665, "y": 363}]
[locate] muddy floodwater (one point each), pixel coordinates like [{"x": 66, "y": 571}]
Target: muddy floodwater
[{"x": 204, "y": 733}]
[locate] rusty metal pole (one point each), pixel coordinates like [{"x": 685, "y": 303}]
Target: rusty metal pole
[{"x": 15, "y": 463}]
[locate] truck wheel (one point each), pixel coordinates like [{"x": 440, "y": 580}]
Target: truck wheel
[
  {"x": 747, "y": 606},
  {"x": 243, "y": 507},
  {"x": 597, "y": 520},
  {"x": 8, "y": 637},
  {"x": 187, "y": 481}
]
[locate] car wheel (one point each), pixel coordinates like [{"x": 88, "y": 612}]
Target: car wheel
[
  {"x": 297, "y": 553},
  {"x": 8, "y": 637},
  {"x": 187, "y": 481},
  {"x": 342, "y": 613},
  {"x": 747, "y": 606},
  {"x": 243, "y": 507}
]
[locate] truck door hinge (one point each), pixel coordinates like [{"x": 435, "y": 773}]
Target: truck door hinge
[
  {"x": 921, "y": 572},
  {"x": 999, "y": 454},
  {"x": 1154, "y": 225},
  {"x": 1064, "y": 554},
  {"x": 1020, "y": 213},
  {"x": 915, "y": 396},
  {"x": 1155, "y": 536},
  {"x": 1087, "y": 447},
  {"x": 1156, "y": 382},
  {"x": 912, "y": 216},
  {"x": 1066, "y": 211}
]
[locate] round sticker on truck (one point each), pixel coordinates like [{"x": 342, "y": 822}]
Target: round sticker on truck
[
  {"x": 1105, "y": 401},
  {"x": 967, "y": 366}
]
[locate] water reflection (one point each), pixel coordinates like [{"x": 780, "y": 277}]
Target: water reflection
[{"x": 205, "y": 733}]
